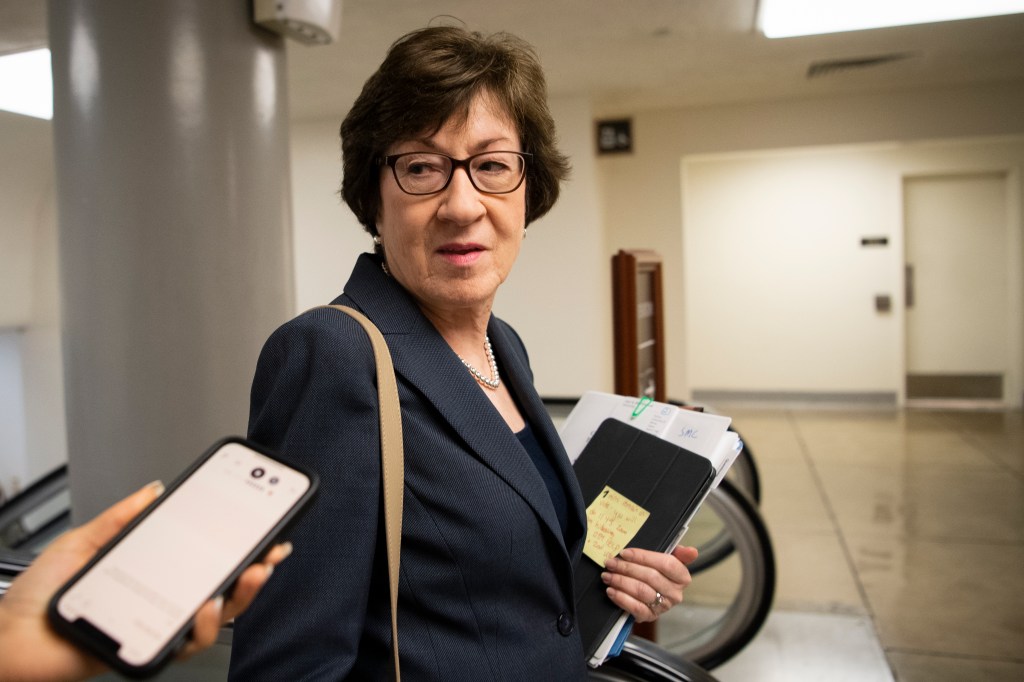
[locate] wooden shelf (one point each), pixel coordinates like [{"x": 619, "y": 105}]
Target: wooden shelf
[{"x": 638, "y": 317}]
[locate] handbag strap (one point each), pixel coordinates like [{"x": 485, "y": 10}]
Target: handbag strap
[{"x": 391, "y": 458}]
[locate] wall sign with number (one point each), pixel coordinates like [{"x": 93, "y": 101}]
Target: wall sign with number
[{"x": 614, "y": 137}]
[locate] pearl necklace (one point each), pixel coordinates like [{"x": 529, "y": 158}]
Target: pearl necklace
[{"x": 492, "y": 382}]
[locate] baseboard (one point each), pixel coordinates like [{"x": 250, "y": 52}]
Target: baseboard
[{"x": 871, "y": 399}]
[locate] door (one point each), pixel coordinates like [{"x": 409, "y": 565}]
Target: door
[{"x": 957, "y": 296}]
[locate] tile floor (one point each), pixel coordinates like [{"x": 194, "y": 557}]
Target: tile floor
[{"x": 899, "y": 540}]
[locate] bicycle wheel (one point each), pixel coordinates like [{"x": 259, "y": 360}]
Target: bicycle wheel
[
  {"x": 744, "y": 472},
  {"x": 744, "y": 475},
  {"x": 710, "y": 628}
]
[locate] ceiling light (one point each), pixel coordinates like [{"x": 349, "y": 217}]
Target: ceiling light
[
  {"x": 26, "y": 85},
  {"x": 787, "y": 18}
]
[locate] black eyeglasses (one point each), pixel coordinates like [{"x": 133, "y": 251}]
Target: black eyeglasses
[{"x": 429, "y": 172}]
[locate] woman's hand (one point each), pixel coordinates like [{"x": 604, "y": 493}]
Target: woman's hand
[
  {"x": 646, "y": 584},
  {"x": 31, "y": 650}
]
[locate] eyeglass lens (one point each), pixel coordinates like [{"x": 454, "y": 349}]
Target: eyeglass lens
[{"x": 424, "y": 173}]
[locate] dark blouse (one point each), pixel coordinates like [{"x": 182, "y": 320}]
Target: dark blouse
[{"x": 543, "y": 463}]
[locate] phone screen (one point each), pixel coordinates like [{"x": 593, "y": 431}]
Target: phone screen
[{"x": 149, "y": 585}]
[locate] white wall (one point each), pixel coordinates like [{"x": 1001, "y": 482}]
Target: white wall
[
  {"x": 327, "y": 236},
  {"x": 42, "y": 355},
  {"x": 33, "y": 431},
  {"x": 779, "y": 290},
  {"x": 26, "y": 171},
  {"x": 13, "y": 464},
  {"x": 643, "y": 201},
  {"x": 559, "y": 295}
]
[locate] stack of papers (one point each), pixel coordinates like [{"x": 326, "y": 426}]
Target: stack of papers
[{"x": 700, "y": 433}]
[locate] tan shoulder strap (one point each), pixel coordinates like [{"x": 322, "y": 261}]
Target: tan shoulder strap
[{"x": 391, "y": 459}]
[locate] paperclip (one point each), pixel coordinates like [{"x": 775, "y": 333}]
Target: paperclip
[{"x": 641, "y": 406}]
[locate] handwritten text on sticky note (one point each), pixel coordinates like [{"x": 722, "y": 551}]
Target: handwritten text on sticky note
[{"x": 612, "y": 523}]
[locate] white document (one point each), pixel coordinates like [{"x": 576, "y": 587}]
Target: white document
[{"x": 698, "y": 432}]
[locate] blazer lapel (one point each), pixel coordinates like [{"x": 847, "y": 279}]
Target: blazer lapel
[
  {"x": 425, "y": 360},
  {"x": 520, "y": 382}
]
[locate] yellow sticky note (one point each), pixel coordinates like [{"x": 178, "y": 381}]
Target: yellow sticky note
[{"x": 612, "y": 523}]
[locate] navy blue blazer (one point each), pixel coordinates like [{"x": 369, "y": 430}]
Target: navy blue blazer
[{"x": 486, "y": 587}]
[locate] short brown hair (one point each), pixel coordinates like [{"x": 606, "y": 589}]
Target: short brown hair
[{"x": 427, "y": 77}]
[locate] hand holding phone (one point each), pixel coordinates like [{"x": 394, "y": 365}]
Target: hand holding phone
[
  {"x": 30, "y": 649},
  {"x": 134, "y": 603}
]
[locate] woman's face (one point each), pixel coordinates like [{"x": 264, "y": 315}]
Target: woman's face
[{"x": 453, "y": 249}]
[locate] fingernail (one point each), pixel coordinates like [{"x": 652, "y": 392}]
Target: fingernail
[
  {"x": 286, "y": 550},
  {"x": 606, "y": 576},
  {"x": 270, "y": 571},
  {"x": 610, "y": 563},
  {"x": 157, "y": 487},
  {"x": 219, "y": 601}
]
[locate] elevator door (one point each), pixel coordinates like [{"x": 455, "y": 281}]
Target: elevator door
[{"x": 957, "y": 298}]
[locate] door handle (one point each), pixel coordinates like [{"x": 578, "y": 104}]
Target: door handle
[{"x": 908, "y": 285}]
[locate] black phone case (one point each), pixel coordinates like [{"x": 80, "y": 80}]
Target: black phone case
[{"x": 105, "y": 648}]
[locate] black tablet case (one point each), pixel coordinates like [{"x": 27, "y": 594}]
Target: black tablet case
[{"x": 663, "y": 478}]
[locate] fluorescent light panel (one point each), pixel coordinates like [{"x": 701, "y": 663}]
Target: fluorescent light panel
[
  {"x": 787, "y": 18},
  {"x": 26, "y": 84}
]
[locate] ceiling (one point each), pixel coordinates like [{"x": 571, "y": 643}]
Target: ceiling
[{"x": 632, "y": 55}]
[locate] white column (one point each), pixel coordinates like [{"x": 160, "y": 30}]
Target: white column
[{"x": 170, "y": 136}]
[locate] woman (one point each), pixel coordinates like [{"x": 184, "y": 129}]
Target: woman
[{"x": 448, "y": 155}]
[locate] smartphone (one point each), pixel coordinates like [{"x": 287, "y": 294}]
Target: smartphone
[{"x": 132, "y": 605}]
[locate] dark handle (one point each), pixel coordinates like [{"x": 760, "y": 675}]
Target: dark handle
[{"x": 908, "y": 284}]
